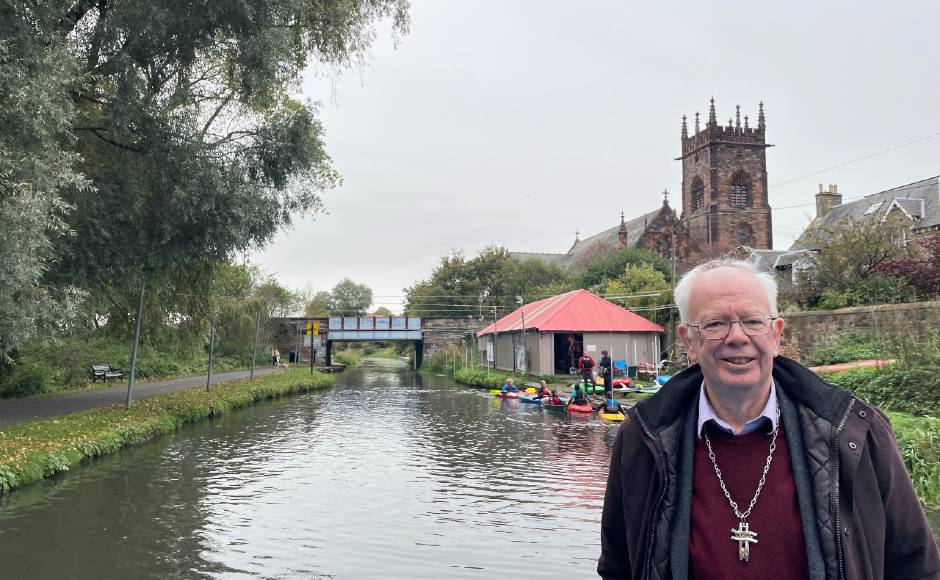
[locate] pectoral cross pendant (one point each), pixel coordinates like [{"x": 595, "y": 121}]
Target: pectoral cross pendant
[{"x": 744, "y": 536}]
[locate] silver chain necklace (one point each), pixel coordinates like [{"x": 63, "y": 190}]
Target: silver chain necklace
[{"x": 744, "y": 536}]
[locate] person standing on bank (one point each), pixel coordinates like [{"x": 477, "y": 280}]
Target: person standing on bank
[
  {"x": 586, "y": 368},
  {"x": 605, "y": 368},
  {"x": 748, "y": 465}
]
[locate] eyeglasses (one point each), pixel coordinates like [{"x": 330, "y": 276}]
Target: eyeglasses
[{"x": 719, "y": 329}]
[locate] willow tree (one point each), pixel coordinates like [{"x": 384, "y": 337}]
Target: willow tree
[
  {"x": 36, "y": 162},
  {"x": 192, "y": 136}
]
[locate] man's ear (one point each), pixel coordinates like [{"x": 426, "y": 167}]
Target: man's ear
[
  {"x": 685, "y": 333},
  {"x": 777, "y": 333}
]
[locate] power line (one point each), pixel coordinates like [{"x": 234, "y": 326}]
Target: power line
[{"x": 882, "y": 152}]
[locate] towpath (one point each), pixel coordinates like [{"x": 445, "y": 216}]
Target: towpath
[{"x": 21, "y": 410}]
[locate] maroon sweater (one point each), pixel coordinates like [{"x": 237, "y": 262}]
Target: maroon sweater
[{"x": 780, "y": 551}]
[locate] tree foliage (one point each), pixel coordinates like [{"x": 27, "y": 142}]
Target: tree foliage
[
  {"x": 459, "y": 286},
  {"x": 641, "y": 287},
  {"x": 35, "y": 164},
  {"x": 348, "y": 298},
  {"x": 921, "y": 272},
  {"x": 188, "y": 130},
  {"x": 611, "y": 266},
  {"x": 846, "y": 269}
]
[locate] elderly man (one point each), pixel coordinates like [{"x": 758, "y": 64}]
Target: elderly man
[{"x": 748, "y": 465}]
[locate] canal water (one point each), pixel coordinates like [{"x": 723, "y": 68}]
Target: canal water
[{"x": 392, "y": 475}]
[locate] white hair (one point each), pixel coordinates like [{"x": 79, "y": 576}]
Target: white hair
[{"x": 683, "y": 290}]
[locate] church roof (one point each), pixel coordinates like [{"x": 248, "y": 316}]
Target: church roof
[
  {"x": 919, "y": 200},
  {"x": 559, "y": 259},
  {"x": 609, "y": 240},
  {"x": 575, "y": 311}
]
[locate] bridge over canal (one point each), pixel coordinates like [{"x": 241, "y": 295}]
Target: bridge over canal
[{"x": 317, "y": 337}]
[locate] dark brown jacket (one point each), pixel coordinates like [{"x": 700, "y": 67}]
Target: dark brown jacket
[{"x": 862, "y": 519}]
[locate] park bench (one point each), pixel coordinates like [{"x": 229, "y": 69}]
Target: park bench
[{"x": 105, "y": 372}]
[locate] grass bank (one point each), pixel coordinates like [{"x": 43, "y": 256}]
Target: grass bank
[
  {"x": 65, "y": 366},
  {"x": 919, "y": 440},
  {"x": 40, "y": 449}
]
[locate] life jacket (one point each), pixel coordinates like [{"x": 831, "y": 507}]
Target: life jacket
[{"x": 586, "y": 363}]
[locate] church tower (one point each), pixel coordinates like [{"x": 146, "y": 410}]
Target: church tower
[{"x": 724, "y": 182}]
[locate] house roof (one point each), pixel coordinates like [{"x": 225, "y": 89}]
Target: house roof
[
  {"x": 919, "y": 200},
  {"x": 575, "y": 311},
  {"x": 763, "y": 260}
]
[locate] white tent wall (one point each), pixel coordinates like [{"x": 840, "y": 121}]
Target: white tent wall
[
  {"x": 634, "y": 347},
  {"x": 504, "y": 351}
]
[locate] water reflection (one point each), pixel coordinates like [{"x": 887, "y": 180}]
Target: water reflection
[{"x": 392, "y": 474}]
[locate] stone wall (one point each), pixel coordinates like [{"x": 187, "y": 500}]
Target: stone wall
[
  {"x": 804, "y": 332},
  {"x": 283, "y": 334},
  {"x": 441, "y": 332}
]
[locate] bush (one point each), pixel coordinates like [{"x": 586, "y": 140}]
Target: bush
[
  {"x": 66, "y": 364},
  {"x": 24, "y": 380},
  {"x": 483, "y": 378},
  {"x": 892, "y": 388},
  {"x": 851, "y": 346}
]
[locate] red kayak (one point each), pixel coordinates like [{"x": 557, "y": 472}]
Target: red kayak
[
  {"x": 509, "y": 395},
  {"x": 580, "y": 408}
]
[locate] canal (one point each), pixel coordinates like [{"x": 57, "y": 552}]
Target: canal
[{"x": 390, "y": 475}]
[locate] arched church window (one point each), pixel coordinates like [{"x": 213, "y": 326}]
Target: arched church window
[
  {"x": 744, "y": 233},
  {"x": 698, "y": 194},
  {"x": 740, "y": 190}
]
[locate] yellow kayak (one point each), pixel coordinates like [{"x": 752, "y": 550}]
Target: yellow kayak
[{"x": 611, "y": 416}]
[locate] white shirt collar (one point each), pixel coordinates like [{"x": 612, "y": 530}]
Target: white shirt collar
[{"x": 707, "y": 413}]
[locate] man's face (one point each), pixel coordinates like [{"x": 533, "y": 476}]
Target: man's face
[{"x": 738, "y": 362}]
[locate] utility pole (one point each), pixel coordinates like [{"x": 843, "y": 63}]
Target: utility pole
[
  {"x": 525, "y": 357},
  {"x": 254, "y": 347},
  {"x": 140, "y": 309},
  {"x": 495, "y": 338},
  {"x": 211, "y": 350}
]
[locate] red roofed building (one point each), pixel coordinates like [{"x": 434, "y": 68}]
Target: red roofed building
[{"x": 559, "y": 329}]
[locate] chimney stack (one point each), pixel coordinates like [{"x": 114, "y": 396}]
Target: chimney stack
[{"x": 826, "y": 200}]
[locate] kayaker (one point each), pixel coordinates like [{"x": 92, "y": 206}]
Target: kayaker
[
  {"x": 577, "y": 397},
  {"x": 509, "y": 387},
  {"x": 611, "y": 406},
  {"x": 554, "y": 399},
  {"x": 542, "y": 390}
]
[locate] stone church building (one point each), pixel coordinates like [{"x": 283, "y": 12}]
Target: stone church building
[{"x": 724, "y": 199}]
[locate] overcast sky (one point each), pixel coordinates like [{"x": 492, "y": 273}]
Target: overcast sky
[{"x": 518, "y": 122}]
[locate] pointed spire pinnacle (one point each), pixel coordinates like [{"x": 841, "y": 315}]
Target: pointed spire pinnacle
[
  {"x": 696, "y": 123},
  {"x": 712, "y": 117},
  {"x": 760, "y": 116},
  {"x": 745, "y": 122},
  {"x": 665, "y": 197},
  {"x": 685, "y": 128},
  {"x": 730, "y": 122},
  {"x": 737, "y": 116},
  {"x": 576, "y": 232},
  {"x": 623, "y": 224}
]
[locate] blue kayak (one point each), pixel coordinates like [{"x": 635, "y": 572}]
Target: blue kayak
[{"x": 531, "y": 399}]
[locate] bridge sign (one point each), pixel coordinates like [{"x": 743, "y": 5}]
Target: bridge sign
[{"x": 375, "y": 328}]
